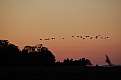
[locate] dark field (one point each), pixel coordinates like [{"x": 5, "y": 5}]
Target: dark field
[{"x": 60, "y": 73}]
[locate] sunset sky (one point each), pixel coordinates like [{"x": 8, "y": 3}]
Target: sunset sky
[{"x": 24, "y": 22}]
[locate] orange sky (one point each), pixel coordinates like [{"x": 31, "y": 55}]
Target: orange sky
[{"x": 24, "y": 22}]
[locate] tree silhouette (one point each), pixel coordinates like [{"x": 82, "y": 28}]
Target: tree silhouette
[
  {"x": 80, "y": 62},
  {"x": 84, "y": 62},
  {"x": 46, "y": 57},
  {"x": 38, "y": 56},
  {"x": 8, "y": 53}
]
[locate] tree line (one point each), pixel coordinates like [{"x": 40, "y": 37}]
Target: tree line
[{"x": 11, "y": 55}]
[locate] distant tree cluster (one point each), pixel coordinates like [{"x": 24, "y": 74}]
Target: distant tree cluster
[
  {"x": 71, "y": 62},
  {"x": 11, "y": 55}
]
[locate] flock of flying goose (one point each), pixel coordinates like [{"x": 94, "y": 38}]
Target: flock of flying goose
[{"x": 81, "y": 37}]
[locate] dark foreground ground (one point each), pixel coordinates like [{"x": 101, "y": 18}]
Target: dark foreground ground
[{"x": 60, "y": 73}]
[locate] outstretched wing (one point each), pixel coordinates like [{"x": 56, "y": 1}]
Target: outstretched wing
[{"x": 108, "y": 60}]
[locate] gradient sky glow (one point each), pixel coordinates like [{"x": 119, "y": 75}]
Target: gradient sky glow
[{"x": 24, "y": 22}]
